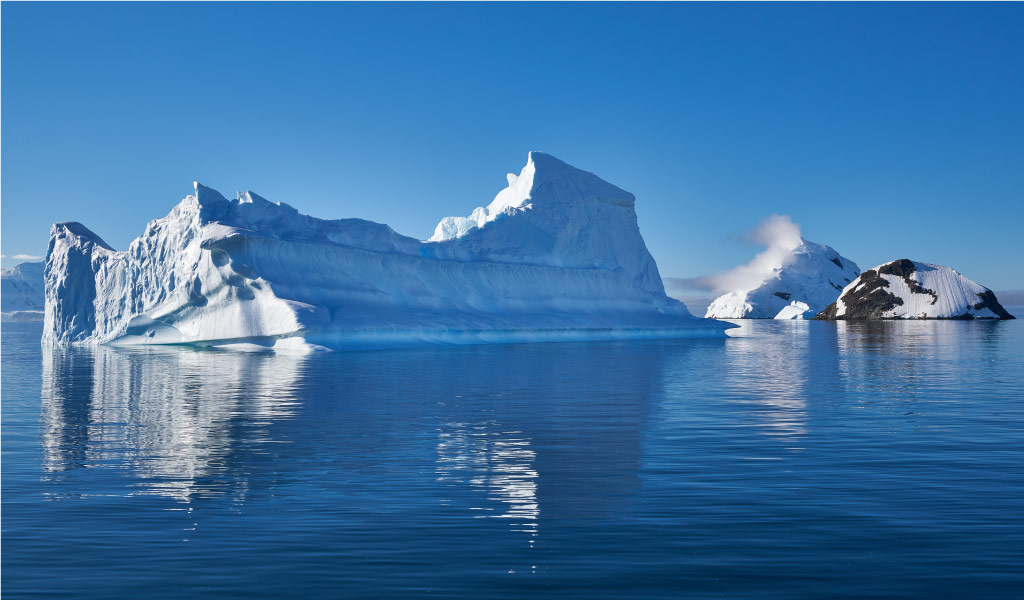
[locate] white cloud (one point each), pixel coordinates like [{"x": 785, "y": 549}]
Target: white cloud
[
  {"x": 26, "y": 257},
  {"x": 780, "y": 234}
]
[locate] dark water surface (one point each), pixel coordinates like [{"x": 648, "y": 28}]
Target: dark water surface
[{"x": 796, "y": 459}]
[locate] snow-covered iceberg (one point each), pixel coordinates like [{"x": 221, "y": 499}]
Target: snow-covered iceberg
[
  {"x": 906, "y": 289},
  {"x": 789, "y": 281},
  {"x": 557, "y": 256},
  {"x": 21, "y": 295}
]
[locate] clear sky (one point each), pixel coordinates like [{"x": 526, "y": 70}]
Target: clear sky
[{"x": 884, "y": 130}]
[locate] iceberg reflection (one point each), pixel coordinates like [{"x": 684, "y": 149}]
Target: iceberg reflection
[
  {"x": 180, "y": 423},
  {"x": 553, "y": 433},
  {"x": 772, "y": 374},
  {"x": 498, "y": 463},
  {"x": 921, "y": 359}
]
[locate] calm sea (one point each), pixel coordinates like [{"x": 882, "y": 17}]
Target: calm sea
[{"x": 795, "y": 459}]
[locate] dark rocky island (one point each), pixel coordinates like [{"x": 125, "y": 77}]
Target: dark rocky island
[{"x": 905, "y": 289}]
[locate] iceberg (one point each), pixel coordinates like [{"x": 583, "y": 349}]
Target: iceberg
[
  {"x": 793, "y": 281},
  {"x": 906, "y": 289},
  {"x": 556, "y": 256},
  {"x": 22, "y": 297}
]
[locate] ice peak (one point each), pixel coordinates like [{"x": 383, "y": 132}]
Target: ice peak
[
  {"x": 568, "y": 183},
  {"x": 250, "y": 197},
  {"x": 544, "y": 180},
  {"x": 212, "y": 206},
  {"x": 76, "y": 231},
  {"x": 546, "y": 160},
  {"x": 205, "y": 195}
]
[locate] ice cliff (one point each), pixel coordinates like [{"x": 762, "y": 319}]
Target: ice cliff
[
  {"x": 21, "y": 296},
  {"x": 557, "y": 256},
  {"x": 789, "y": 281},
  {"x": 905, "y": 289}
]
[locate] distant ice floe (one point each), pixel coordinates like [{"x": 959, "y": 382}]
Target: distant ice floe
[{"x": 22, "y": 296}]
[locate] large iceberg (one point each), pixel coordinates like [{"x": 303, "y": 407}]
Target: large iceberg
[
  {"x": 906, "y": 289},
  {"x": 557, "y": 256}
]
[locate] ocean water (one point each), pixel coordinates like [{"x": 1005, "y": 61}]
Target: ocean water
[{"x": 794, "y": 459}]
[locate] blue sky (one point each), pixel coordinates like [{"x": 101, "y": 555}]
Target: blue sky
[{"x": 884, "y": 130}]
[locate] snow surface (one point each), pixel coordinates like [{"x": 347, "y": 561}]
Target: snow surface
[
  {"x": 793, "y": 281},
  {"x": 941, "y": 293},
  {"x": 515, "y": 196},
  {"x": 21, "y": 296},
  {"x": 557, "y": 256},
  {"x": 795, "y": 310}
]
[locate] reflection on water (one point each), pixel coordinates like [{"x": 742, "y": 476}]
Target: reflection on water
[
  {"x": 187, "y": 424},
  {"x": 921, "y": 359},
  {"x": 499, "y": 463},
  {"x": 787, "y": 460},
  {"x": 777, "y": 366},
  {"x": 180, "y": 421}
]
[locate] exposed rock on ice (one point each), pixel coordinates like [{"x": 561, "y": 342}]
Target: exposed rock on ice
[
  {"x": 793, "y": 279},
  {"x": 557, "y": 256},
  {"x": 905, "y": 289},
  {"x": 22, "y": 297}
]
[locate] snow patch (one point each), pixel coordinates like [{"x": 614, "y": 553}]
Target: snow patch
[{"x": 795, "y": 310}]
